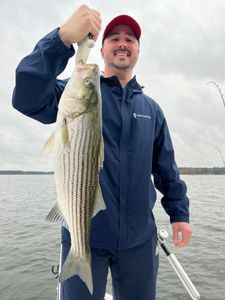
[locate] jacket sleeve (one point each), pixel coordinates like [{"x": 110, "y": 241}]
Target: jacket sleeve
[
  {"x": 37, "y": 91},
  {"x": 166, "y": 175}
]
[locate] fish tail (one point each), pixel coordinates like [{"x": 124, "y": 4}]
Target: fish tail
[{"x": 74, "y": 265}]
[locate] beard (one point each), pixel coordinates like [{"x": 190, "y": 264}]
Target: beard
[{"x": 121, "y": 67}]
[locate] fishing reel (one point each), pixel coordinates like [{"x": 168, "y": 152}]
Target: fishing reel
[{"x": 163, "y": 235}]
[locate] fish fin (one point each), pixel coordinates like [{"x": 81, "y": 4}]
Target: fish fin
[
  {"x": 75, "y": 114},
  {"x": 99, "y": 203},
  {"x": 74, "y": 265},
  {"x": 49, "y": 144},
  {"x": 55, "y": 215},
  {"x": 65, "y": 135}
]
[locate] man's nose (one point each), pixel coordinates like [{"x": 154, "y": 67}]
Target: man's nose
[{"x": 122, "y": 44}]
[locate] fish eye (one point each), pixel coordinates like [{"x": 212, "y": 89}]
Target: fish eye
[{"x": 88, "y": 82}]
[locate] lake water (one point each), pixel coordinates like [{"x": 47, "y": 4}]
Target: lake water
[{"x": 29, "y": 246}]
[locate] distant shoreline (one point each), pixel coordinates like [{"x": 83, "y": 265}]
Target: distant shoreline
[
  {"x": 18, "y": 172},
  {"x": 183, "y": 171},
  {"x": 202, "y": 171}
]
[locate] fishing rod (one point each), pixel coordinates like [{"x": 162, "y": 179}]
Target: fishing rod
[
  {"x": 218, "y": 88},
  {"x": 58, "y": 297},
  {"x": 162, "y": 236}
]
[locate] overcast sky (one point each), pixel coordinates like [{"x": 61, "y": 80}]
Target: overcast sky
[{"x": 182, "y": 48}]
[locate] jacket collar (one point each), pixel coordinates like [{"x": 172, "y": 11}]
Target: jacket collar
[{"x": 132, "y": 85}]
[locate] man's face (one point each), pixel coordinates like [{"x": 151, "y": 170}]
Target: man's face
[{"x": 120, "y": 49}]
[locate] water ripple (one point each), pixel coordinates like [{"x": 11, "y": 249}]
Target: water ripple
[{"x": 31, "y": 245}]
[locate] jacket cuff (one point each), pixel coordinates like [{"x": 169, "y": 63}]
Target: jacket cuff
[
  {"x": 56, "y": 44},
  {"x": 174, "y": 219}
]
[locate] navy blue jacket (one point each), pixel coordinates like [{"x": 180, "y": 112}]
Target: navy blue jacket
[{"x": 136, "y": 140}]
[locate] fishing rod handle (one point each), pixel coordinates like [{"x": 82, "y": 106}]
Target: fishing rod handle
[{"x": 183, "y": 277}]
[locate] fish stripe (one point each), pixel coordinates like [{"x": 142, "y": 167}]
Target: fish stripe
[{"x": 80, "y": 181}]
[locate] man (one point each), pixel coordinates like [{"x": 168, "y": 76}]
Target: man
[{"x": 137, "y": 145}]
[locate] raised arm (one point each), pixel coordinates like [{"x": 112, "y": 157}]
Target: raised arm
[{"x": 37, "y": 91}]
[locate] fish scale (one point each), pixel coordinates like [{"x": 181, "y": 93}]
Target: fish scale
[{"x": 83, "y": 180}]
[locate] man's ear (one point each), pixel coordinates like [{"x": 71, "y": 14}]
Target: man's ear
[{"x": 102, "y": 51}]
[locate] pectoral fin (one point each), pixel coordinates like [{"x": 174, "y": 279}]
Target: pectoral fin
[
  {"x": 49, "y": 145},
  {"x": 65, "y": 135},
  {"x": 55, "y": 215}
]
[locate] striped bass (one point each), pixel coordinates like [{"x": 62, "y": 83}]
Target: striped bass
[{"x": 78, "y": 156}]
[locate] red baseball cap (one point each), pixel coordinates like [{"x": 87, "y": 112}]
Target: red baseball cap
[{"x": 123, "y": 20}]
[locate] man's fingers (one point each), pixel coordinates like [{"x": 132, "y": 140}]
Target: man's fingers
[
  {"x": 96, "y": 13},
  {"x": 181, "y": 234},
  {"x": 95, "y": 27},
  {"x": 96, "y": 23},
  {"x": 186, "y": 236},
  {"x": 181, "y": 243},
  {"x": 77, "y": 27},
  {"x": 175, "y": 236},
  {"x": 185, "y": 239}
]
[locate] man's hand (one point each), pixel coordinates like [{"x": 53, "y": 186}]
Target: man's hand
[
  {"x": 77, "y": 27},
  {"x": 181, "y": 234}
]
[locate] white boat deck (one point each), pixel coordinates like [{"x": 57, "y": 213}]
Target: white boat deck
[{"x": 108, "y": 297}]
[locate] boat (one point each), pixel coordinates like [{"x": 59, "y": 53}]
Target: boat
[{"x": 108, "y": 297}]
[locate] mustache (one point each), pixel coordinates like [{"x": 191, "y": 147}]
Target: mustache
[{"x": 122, "y": 50}]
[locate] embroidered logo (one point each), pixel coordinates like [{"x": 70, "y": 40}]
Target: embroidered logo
[{"x": 135, "y": 115}]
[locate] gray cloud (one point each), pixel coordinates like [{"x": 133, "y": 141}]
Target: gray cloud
[
  {"x": 185, "y": 37},
  {"x": 182, "y": 47}
]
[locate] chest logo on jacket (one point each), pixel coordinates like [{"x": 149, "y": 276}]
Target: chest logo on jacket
[{"x": 135, "y": 115}]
